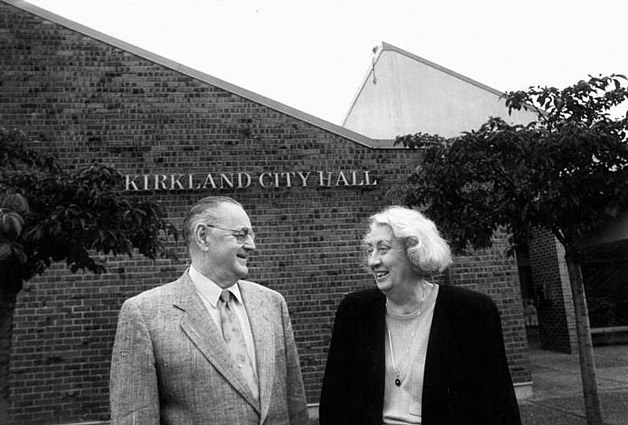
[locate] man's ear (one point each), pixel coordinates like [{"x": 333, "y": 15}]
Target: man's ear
[{"x": 201, "y": 237}]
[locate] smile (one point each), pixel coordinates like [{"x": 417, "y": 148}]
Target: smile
[{"x": 380, "y": 274}]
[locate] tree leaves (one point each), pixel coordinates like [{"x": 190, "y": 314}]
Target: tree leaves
[
  {"x": 48, "y": 215},
  {"x": 565, "y": 172}
]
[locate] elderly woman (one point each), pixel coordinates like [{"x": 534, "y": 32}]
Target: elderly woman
[{"x": 411, "y": 351}]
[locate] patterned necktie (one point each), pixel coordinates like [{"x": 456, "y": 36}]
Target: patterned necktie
[{"x": 232, "y": 334}]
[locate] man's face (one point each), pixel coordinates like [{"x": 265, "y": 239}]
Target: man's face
[{"x": 226, "y": 259}]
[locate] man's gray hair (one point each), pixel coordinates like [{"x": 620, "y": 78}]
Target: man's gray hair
[{"x": 203, "y": 211}]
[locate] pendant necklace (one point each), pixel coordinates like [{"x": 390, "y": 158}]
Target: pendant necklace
[
  {"x": 411, "y": 339},
  {"x": 392, "y": 356}
]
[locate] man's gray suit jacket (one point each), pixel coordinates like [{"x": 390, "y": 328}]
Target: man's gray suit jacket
[{"x": 171, "y": 366}]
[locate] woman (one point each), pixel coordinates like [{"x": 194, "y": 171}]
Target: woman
[{"x": 411, "y": 351}]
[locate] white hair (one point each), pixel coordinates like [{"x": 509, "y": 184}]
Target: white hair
[{"x": 424, "y": 246}]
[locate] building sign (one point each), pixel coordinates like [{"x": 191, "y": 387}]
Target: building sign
[{"x": 242, "y": 180}]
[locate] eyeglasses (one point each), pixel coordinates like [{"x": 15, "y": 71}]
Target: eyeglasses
[{"x": 239, "y": 234}]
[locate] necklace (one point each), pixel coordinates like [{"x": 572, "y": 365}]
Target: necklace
[
  {"x": 416, "y": 313},
  {"x": 405, "y": 355}
]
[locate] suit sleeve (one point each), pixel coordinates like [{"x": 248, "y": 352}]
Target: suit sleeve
[
  {"x": 501, "y": 403},
  {"x": 297, "y": 406},
  {"x": 134, "y": 396},
  {"x": 336, "y": 389}
]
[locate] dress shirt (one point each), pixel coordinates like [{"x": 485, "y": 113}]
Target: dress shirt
[{"x": 210, "y": 294}]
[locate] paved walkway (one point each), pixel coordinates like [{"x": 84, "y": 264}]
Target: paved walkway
[{"x": 557, "y": 387}]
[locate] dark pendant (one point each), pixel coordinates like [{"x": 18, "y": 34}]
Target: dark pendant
[{"x": 398, "y": 382}]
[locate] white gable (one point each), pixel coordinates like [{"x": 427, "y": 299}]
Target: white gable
[{"x": 405, "y": 94}]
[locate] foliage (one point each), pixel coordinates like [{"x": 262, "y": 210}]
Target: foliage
[
  {"x": 49, "y": 215},
  {"x": 566, "y": 172}
]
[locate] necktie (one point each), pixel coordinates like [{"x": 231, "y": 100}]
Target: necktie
[{"x": 232, "y": 334}]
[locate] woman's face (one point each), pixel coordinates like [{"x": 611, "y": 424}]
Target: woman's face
[{"x": 386, "y": 259}]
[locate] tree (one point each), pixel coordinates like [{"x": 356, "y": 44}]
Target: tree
[
  {"x": 49, "y": 215},
  {"x": 567, "y": 172}
]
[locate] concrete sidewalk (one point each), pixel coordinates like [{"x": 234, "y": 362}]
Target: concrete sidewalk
[{"x": 557, "y": 387}]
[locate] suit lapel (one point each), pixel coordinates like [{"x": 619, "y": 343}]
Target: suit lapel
[
  {"x": 263, "y": 335},
  {"x": 203, "y": 332}
]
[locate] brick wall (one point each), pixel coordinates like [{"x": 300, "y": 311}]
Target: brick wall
[
  {"x": 486, "y": 271},
  {"x": 85, "y": 99},
  {"x": 557, "y": 329}
]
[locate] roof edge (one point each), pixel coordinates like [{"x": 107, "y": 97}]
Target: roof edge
[
  {"x": 391, "y": 48},
  {"x": 377, "y": 51},
  {"x": 201, "y": 76}
]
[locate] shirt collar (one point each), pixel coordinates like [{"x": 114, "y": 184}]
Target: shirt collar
[{"x": 209, "y": 289}]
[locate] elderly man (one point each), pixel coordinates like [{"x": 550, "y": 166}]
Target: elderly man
[{"x": 210, "y": 347}]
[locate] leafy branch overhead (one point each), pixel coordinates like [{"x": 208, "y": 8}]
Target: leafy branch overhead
[
  {"x": 50, "y": 215},
  {"x": 566, "y": 172}
]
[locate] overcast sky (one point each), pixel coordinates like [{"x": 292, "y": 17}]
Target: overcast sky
[{"x": 313, "y": 55}]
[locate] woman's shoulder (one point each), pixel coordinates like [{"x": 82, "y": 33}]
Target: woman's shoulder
[
  {"x": 364, "y": 300},
  {"x": 365, "y": 295},
  {"x": 459, "y": 298}
]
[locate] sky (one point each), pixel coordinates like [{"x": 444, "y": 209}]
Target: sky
[{"x": 313, "y": 55}]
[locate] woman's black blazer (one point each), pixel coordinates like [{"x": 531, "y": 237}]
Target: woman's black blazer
[{"x": 466, "y": 379}]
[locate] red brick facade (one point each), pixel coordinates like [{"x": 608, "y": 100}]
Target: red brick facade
[
  {"x": 88, "y": 97},
  {"x": 557, "y": 321}
]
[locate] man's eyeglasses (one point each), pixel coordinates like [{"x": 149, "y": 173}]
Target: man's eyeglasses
[{"x": 239, "y": 234}]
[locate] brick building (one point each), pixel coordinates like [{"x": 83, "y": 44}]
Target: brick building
[{"x": 178, "y": 134}]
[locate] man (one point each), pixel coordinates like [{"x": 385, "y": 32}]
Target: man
[{"x": 210, "y": 347}]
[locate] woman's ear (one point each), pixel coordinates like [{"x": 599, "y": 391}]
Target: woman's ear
[{"x": 411, "y": 241}]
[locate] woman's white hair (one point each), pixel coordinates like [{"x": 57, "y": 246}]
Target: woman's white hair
[{"x": 424, "y": 246}]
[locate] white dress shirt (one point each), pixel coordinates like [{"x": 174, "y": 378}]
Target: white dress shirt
[{"x": 210, "y": 294}]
